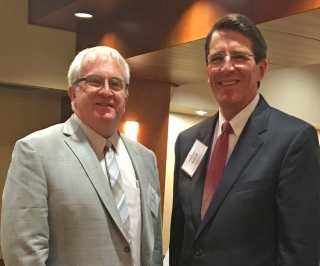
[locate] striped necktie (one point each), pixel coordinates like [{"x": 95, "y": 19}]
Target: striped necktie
[{"x": 116, "y": 185}]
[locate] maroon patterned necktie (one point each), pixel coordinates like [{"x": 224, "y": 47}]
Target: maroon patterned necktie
[{"x": 216, "y": 166}]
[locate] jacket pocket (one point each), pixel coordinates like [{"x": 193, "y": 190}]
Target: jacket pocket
[{"x": 255, "y": 184}]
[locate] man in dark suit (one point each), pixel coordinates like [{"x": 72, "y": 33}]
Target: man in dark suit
[{"x": 264, "y": 208}]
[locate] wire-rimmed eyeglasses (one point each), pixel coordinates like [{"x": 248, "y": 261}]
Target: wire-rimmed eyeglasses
[
  {"x": 237, "y": 58},
  {"x": 97, "y": 82}
]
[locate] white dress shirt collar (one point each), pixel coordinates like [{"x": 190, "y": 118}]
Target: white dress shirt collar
[{"x": 238, "y": 122}]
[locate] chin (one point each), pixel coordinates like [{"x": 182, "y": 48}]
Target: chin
[
  {"x": 107, "y": 118},
  {"x": 105, "y": 115}
]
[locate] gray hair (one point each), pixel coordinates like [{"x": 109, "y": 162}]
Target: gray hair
[{"x": 75, "y": 67}]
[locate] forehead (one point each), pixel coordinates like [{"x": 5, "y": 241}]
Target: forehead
[
  {"x": 100, "y": 63},
  {"x": 93, "y": 59},
  {"x": 228, "y": 40}
]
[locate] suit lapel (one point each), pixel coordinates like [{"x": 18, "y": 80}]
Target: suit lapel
[
  {"x": 79, "y": 144},
  {"x": 147, "y": 236},
  {"x": 246, "y": 148},
  {"x": 205, "y": 136}
]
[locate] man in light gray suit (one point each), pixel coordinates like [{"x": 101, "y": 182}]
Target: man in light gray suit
[{"x": 58, "y": 206}]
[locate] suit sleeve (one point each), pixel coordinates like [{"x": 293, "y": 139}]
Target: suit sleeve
[
  {"x": 177, "y": 218},
  {"x": 157, "y": 251},
  {"x": 24, "y": 224},
  {"x": 298, "y": 202}
]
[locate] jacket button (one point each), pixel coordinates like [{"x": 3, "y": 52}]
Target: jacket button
[
  {"x": 199, "y": 252},
  {"x": 126, "y": 249}
]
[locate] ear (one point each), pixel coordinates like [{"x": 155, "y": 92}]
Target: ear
[
  {"x": 72, "y": 95},
  {"x": 262, "y": 67},
  {"x": 208, "y": 74},
  {"x": 126, "y": 97},
  {"x": 209, "y": 70}
]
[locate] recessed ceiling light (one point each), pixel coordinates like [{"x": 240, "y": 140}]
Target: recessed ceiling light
[
  {"x": 83, "y": 15},
  {"x": 200, "y": 112}
]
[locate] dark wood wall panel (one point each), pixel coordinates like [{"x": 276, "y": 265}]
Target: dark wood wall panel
[
  {"x": 148, "y": 105},
  {"x": 40, "y": 9},
  {"x": 137, "y": 27},
  {"x": 133, "y": 29},
  {"x": 195, "y": 21},
  {"x": 155, "y": 25},
  {"x": 66, "y": 110}
]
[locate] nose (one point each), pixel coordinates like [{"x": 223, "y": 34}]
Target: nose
[
  {"x": 105, "y": 89},
  {"x": 227, "y": 64}
]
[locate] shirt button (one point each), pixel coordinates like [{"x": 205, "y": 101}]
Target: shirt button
[
  {"x": 199, "y": 252},
  {"x": 126, "y": 249}
]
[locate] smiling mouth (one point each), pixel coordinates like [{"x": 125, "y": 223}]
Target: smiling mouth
[
  {"x": 104, "y": 104},
  {"x": 228, "y": 83}
]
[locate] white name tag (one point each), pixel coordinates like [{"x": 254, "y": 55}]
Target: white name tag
[
  {"x": 194, "y": 157},
  {"x": 153, "y": 201}
]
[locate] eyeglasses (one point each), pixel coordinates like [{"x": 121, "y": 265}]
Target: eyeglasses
[
  {"x": 237, "y": 58},
  {"x": 97, "y": 82}
]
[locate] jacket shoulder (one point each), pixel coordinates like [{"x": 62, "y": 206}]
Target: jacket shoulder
[
  {"x": 207, "y": 124},
  {"x": 44, "y": 134},
  {"x": 136, "y": 145},
  {"x": 285, "y": 122}
]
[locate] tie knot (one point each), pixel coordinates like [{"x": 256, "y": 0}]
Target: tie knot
[
  {"x": 108, "y": 146},
  {"x": 226, "y": 127}
]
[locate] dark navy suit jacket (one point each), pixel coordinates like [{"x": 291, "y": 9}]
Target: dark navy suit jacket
[{"x": 265, "y": 210}]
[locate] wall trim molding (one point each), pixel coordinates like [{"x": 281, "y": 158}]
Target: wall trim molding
[{"x": 29, "y": 88}]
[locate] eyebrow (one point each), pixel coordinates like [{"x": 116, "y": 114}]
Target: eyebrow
[{"x": 234, "y": 51}]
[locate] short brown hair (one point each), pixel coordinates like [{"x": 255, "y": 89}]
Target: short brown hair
[{"x": 243, "y": 25}]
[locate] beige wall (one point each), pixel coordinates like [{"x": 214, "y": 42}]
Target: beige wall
[
  {"x": 295, "y": 91},
  {"x": 21, "y": 113},
  {"x": 34, "y": 56},
  {"x": 29, "y": 54}
]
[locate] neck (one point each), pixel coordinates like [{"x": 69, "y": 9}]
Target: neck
[
  {"x": 107, "y": 133},
  {"x": 230, "y": 113}
]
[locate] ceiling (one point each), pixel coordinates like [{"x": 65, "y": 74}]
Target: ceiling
[{"x": 292, "y": 41}]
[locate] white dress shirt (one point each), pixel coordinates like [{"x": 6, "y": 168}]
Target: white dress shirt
[
  {"x": 237, "y": 124},
  {"x": 130, "y": 182}
]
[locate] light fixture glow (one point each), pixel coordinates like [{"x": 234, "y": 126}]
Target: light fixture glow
[
  {"x": 131, "y": 129},
  {"x": 200, "y": 112},
  {"x": 83, "y": 15}
]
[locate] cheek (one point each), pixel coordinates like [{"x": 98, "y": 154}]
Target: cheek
[
  {"x": 212, "y": 74},
  {"x": 121, "y": 100},
  {"x": 85, "y": 103},
  {"x": 209, "y": 73}
]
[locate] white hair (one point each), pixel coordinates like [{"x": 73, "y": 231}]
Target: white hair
[{"x": 75, "y": 67}]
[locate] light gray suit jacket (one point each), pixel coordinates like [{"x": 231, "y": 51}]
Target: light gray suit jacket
[{"x": 58, "y": 207}]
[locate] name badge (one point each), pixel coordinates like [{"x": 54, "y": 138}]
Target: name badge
[
  {"x": 194, "y": 157},
  {"x": 153, "y": 201}
]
